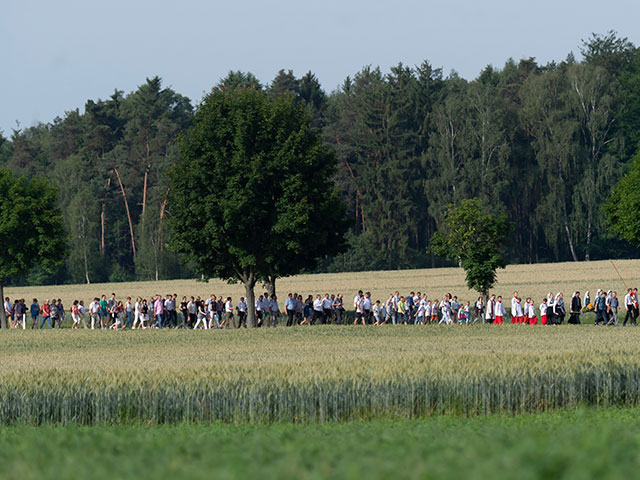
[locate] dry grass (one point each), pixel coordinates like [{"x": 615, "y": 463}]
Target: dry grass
[{"x": 529, "y": 280}]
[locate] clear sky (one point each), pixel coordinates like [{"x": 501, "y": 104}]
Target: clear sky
[{"x": 54, "y": 55}]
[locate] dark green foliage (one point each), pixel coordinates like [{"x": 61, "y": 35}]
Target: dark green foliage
[
  {"x": 31, "y": 228},
  {"x": 543, "y": 144},
  {"x": 623, "y": 205},
  {"x": 252, "y": 199},
  {"x": 475, "y": 239}
]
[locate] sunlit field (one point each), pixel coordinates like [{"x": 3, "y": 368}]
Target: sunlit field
[
  {"x": 313, "y": 374},
  {"x": 529, "y": 280}
]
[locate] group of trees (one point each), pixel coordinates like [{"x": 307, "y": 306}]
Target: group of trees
[{"x": 543, "y": 145}]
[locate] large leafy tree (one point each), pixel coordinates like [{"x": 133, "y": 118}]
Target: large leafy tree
[
  {"x": 475, "y": 238},
  {"x": 31, "y": 228},
  {"x": 622, "y": 207},
  {"x": 252, "y": 198}
]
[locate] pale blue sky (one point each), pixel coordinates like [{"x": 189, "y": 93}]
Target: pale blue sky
[{"x": 54, "y": 55}]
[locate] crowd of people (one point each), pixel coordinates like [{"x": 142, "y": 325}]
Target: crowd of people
[{"x": 415, "y": 308}]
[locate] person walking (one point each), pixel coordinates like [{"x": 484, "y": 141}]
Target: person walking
[
  {"x": 290, "y": 309},
  {"x": 543, "y": 311},
  {"x": 338, "y": 308},
  {"x": 95, "y": 313},
  {"x": 242, "y": 313},
  {"x": 576, "y": 309},
  {"x": 500, "y": 312},
  {"x": 612, "y": 309},
  {"x": 75, "y": 314},
  {"x": 35, "y": 312},
  {"x": 490, "y": 313},
  {"x": 228, "y": 313},
  {"x": 601, "y": 308},
  {"x": 629, "y": 307}
]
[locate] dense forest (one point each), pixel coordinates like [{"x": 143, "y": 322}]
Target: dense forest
[{"x": 544, "y": 144}]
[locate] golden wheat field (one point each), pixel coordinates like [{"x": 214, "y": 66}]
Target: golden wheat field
[
  {"x": 529, "y": 280},
  {"x": 311, "y": 374}
]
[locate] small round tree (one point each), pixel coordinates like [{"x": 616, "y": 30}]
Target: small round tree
[{"x": 475, "y": 239}]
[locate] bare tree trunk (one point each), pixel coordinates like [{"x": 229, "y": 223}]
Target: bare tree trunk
[
  {"x": 102, "y": 217},
  {"x": 146, "y": 177},
  {"x": 126, "y": 206},
  {"x": 587, "y": 256},
  {"x": 84, "y": 250},
  {"x": 573, "y": 252},
  {"x": 102, "y": 229},
  {"x": 270, "y": 285}
]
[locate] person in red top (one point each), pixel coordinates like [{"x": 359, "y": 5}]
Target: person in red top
[{"x": 46, "y": 314}]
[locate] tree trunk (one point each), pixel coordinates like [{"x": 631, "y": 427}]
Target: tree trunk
[
  {"x": 84, "y": 249},
  {"x": 146, "y": 177},
  {"x": 102, "y": 217},
  {"x": 250, "y": 299},
  {"x": 104, "y": 206},
  {"x": 3, "y": 317},
  {"x": 573, "y": 252},
  {"x": 126, "y": 206},
  {"x": 270, "y": 285},
  {"x": 587, "y": 255}
]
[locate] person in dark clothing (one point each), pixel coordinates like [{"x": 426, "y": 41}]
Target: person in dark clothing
[
  {"x": 601, "y": 308},
  {"x": 576, "y": 309}
]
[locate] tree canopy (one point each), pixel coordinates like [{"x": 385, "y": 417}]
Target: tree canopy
[
  {"x": 623, "y": 205},
  {"x": 476, "y": 240},
  {"x": 544, "y": 144},
  {"x": 31, "y": 228},
  {"x": 252, "y": 197}
]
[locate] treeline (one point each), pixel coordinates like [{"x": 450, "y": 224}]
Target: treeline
[{"x": 544, "y": 144}]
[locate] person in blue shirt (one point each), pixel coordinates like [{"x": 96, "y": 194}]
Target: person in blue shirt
[
  {"x": 601, "y": 308},
  {"x": 290, "y": 307},
  {"x": 35, "y": 312}
]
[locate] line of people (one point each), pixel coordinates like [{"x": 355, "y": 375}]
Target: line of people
[{"x": 218, "y": 312}]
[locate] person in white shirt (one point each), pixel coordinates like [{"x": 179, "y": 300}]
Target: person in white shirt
[
  {"x": 517, "y": 314},
  {"x": 514, "y": 300},
  {"x": 499, "y": 311},
  {"x": 629, "y": 306},
  {"x": 136, "y": 313},
  {"x": 533, "y": 318},
  {"x": 94, "y": 311},
  {"x": 356, "y": 299},
  {"x": 242, "y": 313},
  {"x": 317, "y": 310},
  {"x": 228, "y": 314},
  {"x": 259, "y": 312},
  {"x": 445, "y": 308},
  {"x": 360, "y": 317},
  {"x": 327, "y": 304},
  {"x": 490, "y": 313},
  {"x": 420, "y": 313}
]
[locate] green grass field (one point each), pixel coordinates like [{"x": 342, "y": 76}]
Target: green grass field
[
  {"x": 320, "y": 402},
  {"x": 579, "y": 444}
]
